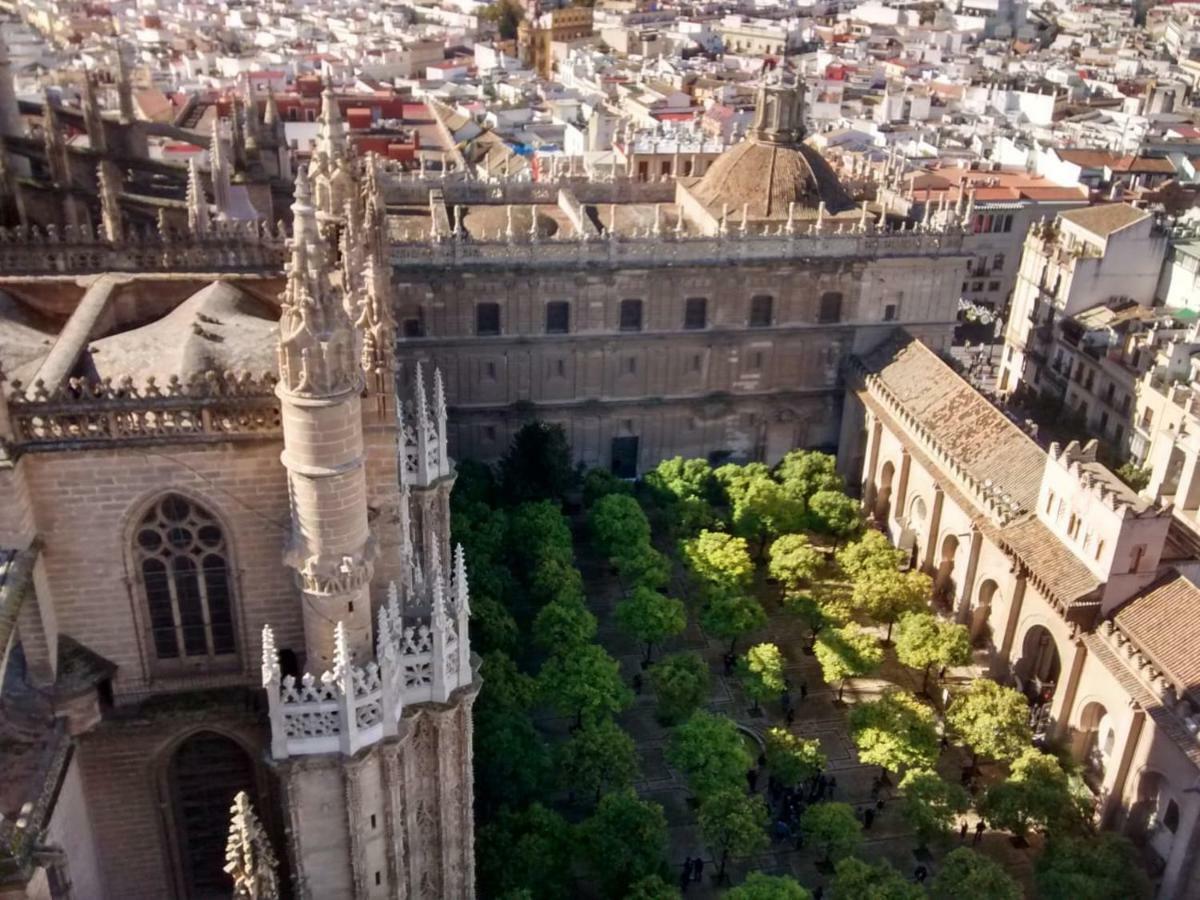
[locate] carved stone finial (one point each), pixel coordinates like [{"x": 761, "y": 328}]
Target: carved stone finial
[{"x": 249, "y": 858}]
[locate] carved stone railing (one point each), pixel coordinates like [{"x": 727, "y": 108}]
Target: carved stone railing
[
  {"x": 666, "y": 249},
  {"x": 231, "y": 246},
  {"x": 211, "y": 406},
  {"x": 419, "y": 659}
]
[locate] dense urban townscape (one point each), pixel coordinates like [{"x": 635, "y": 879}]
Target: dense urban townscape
[{"x": 622, "y": 449}]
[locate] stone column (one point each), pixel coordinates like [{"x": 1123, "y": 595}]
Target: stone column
[
  {"x": 963, "y": 612},
  {"x": 1064, "y": 695},
  {"x": 874, "y": 435},
  {"x": 1176, "y": 879},
  {"x": 902, "y": 486},
  {"x": 1001, "y": 662},
  {"x": 932, "y": 554}
]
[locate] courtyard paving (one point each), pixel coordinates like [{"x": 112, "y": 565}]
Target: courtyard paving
[{"x": 818, "y": 716}]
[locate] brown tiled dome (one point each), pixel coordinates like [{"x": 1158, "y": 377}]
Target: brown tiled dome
[{"x": 766, "y": 177}]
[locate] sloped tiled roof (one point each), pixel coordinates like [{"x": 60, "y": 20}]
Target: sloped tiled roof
[
  {"x": 1106, "y": 218},
  {"x": 958, "y": 418},
  {"x": 1164, "y": 622},
  {"x": 1051, "y": 562}
]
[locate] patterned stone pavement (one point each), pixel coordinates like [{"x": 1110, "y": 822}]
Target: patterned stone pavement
[{"x": 818, "y": 716}]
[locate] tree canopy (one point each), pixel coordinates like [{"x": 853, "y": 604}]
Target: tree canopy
[
  {"x": 761, "y": 672},
  {"x": 733, "y": 823},
  {"x": 651, "y": 617},
  {"x": 991, "y": 719},
  {"x": 538, "y": 532},
  {"x": 793, "y": 759},
  {"x": 930, "y": 804},
  {"x": 860, "y": 880},
  {"x": 731, "y": 615},
  {"x": 806, "y": 472},
  {"x": 598, "y": 482},
  {"x": 527, "y": 849},
  {"x": 815, "y": 614},
  {"x": 624, "y": 841},
  {"x": 618, "y": 525},
  {"x": 652, "y": 887},
  {"x": 794, "y": 561},
  {"x": 871, "y": 551},
  {"x": 894, "y": 732},
  {"x": 643, "y": 565},
  {"x": 759, "y": 886},
  {"x": 846, "y": 652},
  {"x": 924, "y": 642},
  {"x": 537, "y": 465},
  {"x": 584, "y": 682},
  {"x": 1104, "y": 866},
  {"x": 682, "y": 683},
  {"x": 563, "y": 625},
  {"x": 965, "y": 873},
  {"x": 760, "y": 509},
  {"x": 719, "y": 560},
  {"x": 1036, "y": 794},
  {"x": 832, "y": 512},
  {"x": 709, "y": 750},
  {"x": 599, "y": 756},
  {"x": 833, "y": 829},
  {"x": 887, "y": 594}
]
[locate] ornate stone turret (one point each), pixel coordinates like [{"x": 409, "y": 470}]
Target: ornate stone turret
[
  {"x": 124, "y": 87},
  {"x": 113, "y": 222},
  {"x": 93, "y": 122},
  {"x": 332, "y": 141},
  {"x": 426, "y": 474},
  {"x": 221, "y": 174},
  {"x": 237, "y": 130},
  {"x": 249, "y": 859},
  {"x": 273, "y": 135},
  {"x": 779, "y": 112},
  {"x": 199, "y": 215},
  {"x": 56, "y": 147},
  {"x": 11, "y": 124},
  {"x": 319, "y": 387}
]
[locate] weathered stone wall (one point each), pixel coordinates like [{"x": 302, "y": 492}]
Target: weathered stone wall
[{"x": 727, "y": 387}]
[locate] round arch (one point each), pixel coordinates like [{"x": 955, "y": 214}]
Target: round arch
[
  {"x": 944, "y": 587},
  {"x": 1154, "y": 816},
  {"x": 1093, "y": 741},
  {"x": 981, "y": 613},
  {"x": 1039, "y": 665}
]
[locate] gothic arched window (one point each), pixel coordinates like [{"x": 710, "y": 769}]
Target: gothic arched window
[{"x": 182, "y": 556}]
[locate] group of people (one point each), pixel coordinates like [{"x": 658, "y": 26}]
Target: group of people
[{"x": 693, "y": 870}]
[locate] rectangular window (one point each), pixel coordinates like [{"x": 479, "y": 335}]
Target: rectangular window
[
  {"x": 489, "y": 371},
  {"x": 993, "y": 285},
  {"x": 558, "y": 317},
  {"x": 631, "y": 365},
  {"x": 487, "y": 318},
  {"x": 695, "y": 362},
  {"x": 889, "y": 313},
  {"x": 1119, "y": 435},
  {"x": 560, "y": 368},
  {"x": 830, "y": 308},
  {"x": 997, "y": 262},
  {"x": 631, "y": 315},
  {"x": 1103, "y": 423},
  {"x": 756, "y": 361},
  {"x": 695, "y": 313},
  {"x": 762, "y": 310}
]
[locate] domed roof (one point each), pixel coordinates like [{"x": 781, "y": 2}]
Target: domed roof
[{"x": 772, "y": 168}]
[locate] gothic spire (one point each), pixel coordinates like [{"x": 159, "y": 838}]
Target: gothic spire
[
  {"x": 124, "y": 86},
  {"x": 316, "y": 338},
  {"x": 56, "y": 147},
  {"x": 93, "y": 122},
  {"x": 249, "y": 859},
  {"x": 331, "y": 130},
  {"x": 219, "y": 164},
  {"x": 199, "y": 215},
  {"x": 110, "y": 207}
]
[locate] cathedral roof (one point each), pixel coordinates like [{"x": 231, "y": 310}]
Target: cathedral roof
[
  {"x": 772, "y": 168},
  {"x": 219, "y": 328},
  {"x": 767, "y": 177}
]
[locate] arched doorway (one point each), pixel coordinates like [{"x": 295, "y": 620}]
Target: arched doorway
[
  {"x": 910, "y": 536},
  {"x": 980, "y": 624},
  {"x": 1154, "y": 817},
  {"x": 205, "y": 773},
  {"x": 1039, "y": 667},
  {"x": 1093, "y": 743},
  {"x": 883, "y": 494},
  {"x": 944, "y": 587}
]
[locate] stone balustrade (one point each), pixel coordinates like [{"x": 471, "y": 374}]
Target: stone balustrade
[
  {"x": 211, "y": 406},
  {"x": 418, "y": 659}
]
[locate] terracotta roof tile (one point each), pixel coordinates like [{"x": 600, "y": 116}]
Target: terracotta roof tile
[
  {"x": 1164, "y": 622},
  {"x": 1051, "y": 563},
  {"x": 1105, "y": 218},
  {"x": 959, "y": 419}
]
